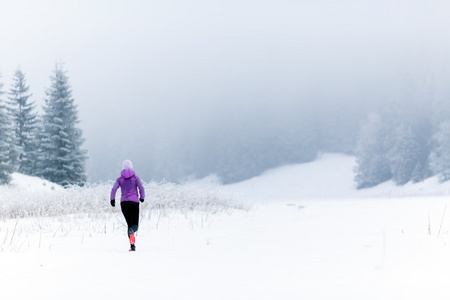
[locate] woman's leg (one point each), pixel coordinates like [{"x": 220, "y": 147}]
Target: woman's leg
[
  {"x": 130, "y": 211},
  {"x": 125, "y": 206},
  {"x": 134, "y": 215}
]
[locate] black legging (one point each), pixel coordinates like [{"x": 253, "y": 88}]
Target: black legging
[{"x": 130, "y": 211}]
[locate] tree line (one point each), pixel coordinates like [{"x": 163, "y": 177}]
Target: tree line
[
  {"x": 47, "y": 145},
  {"x": 244, "y": 144},
  {"x": 408, "y": 141},
  {"x": 404, "y": 138}
]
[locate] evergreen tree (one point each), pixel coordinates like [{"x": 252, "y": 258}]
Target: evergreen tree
[
  {"x": 21, "y": 111},
  {"x": 372, "y": 163},
  {"x": 8, "y": 152},
  {"x": 440, "y": 155},
  {"x": 403, "y": 154},
  {"x": 62, "y": 159}
]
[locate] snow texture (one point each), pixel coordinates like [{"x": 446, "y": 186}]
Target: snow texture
[{"x": 308, "y": 235}]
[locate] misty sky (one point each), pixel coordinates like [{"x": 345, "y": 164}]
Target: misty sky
[{"x": 163, "y": 66}]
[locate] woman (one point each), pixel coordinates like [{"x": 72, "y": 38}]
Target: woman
[{"x": 129, "y": 184}]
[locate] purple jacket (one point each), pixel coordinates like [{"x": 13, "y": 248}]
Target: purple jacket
[{"x": 129, "y": 183}]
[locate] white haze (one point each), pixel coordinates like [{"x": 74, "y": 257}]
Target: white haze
[{"x": 142, "y": 68}]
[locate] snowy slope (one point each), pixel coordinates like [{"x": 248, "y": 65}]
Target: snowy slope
[
  {"x": 330, "y": 176},
  {"x": 32, "y": 183}
]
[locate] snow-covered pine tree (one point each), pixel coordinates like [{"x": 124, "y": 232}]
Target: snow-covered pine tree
[
  {"x": 372, "y": 165},
  {"x": 440, "y": 155},
  {"x": 403, "y": 154},
  {"x": 61, "y": 158},
  {"x": 8, "y": 152},
  {"x": 24, "y": 119}
]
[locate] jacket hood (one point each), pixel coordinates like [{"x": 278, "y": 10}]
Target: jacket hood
[{"x": 127, "y": 173}]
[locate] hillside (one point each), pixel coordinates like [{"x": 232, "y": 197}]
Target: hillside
[{"x": 330, "y": 176}]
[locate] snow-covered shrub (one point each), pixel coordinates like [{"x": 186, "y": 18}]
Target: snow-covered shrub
[{"x": 18, "y": 202}]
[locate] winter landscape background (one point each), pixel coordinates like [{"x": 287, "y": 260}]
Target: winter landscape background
[
  {"x": 289, "y": 149},
  {"x": 199, "y": 88}
]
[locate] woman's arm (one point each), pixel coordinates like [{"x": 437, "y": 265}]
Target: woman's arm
[
  {"x": 114, "y": 190},
  {"x": 140, "y": 187}
]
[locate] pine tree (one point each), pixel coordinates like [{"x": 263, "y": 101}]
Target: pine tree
[
  {"x": 21, "y": 111},
  {"x": 403, "y": 154},
  {"x": 8, "y": 152},
  {"x": 372, "y": 163},
  {"x": 440, "y": 155},
  {"x": 62, "y": 159}
]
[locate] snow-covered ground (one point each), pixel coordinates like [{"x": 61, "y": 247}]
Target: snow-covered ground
[
  {"x": 330, "y": 176},
  {"x": 306, "y": 233}
]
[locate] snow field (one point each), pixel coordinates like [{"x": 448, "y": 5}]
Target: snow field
[
  {"x": 295, "y": 242},
  {"x": 321, "y": 249}
]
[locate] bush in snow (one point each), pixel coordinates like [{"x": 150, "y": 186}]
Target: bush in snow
[{"x": 93, "y": 199}]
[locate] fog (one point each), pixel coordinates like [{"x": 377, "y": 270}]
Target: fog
[{"x": 152, "y": 77}]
